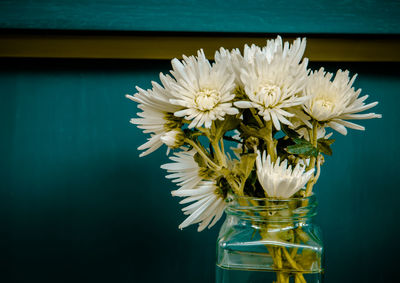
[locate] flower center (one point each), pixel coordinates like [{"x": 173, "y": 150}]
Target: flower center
[
  {"x": 206, "y": 99},
  {"x": 268, "y": 95},
  {"x": 323, "y": 108},
  {"x": 328, "y": 105}
]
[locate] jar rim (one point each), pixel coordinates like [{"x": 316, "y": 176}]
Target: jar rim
[
  {"x": 312, "y": 197},
  {"x": 272, "y": 209}
]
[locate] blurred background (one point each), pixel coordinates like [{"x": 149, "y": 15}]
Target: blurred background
[{"x": 77, "y": 204}]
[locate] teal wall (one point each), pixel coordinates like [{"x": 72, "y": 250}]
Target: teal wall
[
  {"x": 266, "y": 16},
  {"x": 77, "y": 204}
]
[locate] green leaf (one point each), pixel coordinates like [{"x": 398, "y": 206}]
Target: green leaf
[
  {"x": 254, "y": 132},
  {"x": 246, "y": 164},
  {"x": 326, "y": 141},
  {"x": 200, "y": 161},
  {"x": 324, "y": 145},
  {"x": 219, "y": 128},
  {"x": 192, "y": 133},
  {"x": 289, "y": 132},
  {"x": 302, "y": 147},
  {"x": 243, "y": 168}
]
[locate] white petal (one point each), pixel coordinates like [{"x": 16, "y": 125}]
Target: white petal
[
  {"x": 244, "y": 104},
  {"x": 337, "y": 127}
]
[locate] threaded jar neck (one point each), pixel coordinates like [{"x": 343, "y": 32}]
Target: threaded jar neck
[{"x": 272, "y": 210}]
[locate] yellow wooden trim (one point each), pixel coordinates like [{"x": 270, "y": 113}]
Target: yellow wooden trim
[{"x": 333, "y": 48}]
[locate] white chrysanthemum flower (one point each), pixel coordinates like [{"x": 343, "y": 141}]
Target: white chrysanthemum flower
[
  {"x": 233, "y": 60},
  {"x": 157, "y": 117},
  {"x": 303, "y": 130},
  {"x": 204, "y": 92},
  {"x": 184, "y": 170},
  {"x": 174, "y": 138},
  {"x": 278, "y": 179},
  {"x": 274, "y": 79},
  {"x": 334, "y": 102},
  {"x": 207, "y": 207},
  {"x": 208, "y": 203},
  {"x": 237, "y": 62}
]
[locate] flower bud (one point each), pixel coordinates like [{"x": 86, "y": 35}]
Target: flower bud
[
  {"x": 174, "y": 138},
  {"x": 252, "y": 142}
]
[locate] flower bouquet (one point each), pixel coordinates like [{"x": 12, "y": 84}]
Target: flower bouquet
[{"x": 249, "y": 135}]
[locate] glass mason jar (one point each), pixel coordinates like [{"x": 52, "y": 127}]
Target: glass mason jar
[{"x": 269, "y": 240}]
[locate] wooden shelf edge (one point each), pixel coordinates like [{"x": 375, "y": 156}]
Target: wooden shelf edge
[{"x": 166, "y": 47}]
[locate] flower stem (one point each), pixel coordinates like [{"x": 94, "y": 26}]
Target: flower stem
[
  {"x": 255, "y": 115},
  {"x": 204, "y": 131},
  {"x": 279, "y": 265},
  {"x": 221, "y": 141},
  {"x": 271, "y": 145},
  {"x": 232, "y": 182},
  {"x": 318, "y": 168},
  {"x": 218, "y": 153},
  {"x": 313, "y": 138},
  {"x": 203, "y": 154},
  {"x": 290, "y": 259}
]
